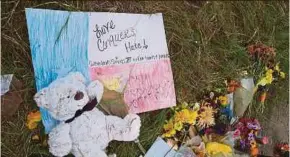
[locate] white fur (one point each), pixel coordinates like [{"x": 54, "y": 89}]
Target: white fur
[{"x": 89, "y": 134}]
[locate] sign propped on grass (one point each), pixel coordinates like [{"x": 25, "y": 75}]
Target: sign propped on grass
[{"x": 127, "y": 52}]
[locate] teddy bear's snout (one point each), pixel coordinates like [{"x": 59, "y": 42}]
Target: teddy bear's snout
[{"x": 79, "y": 95}]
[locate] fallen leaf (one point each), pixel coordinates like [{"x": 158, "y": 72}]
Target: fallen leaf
[
  {"x": 12, "y": 99},
  {"x": 10, "y": 103},
  {"x": 35, "y": 137}
]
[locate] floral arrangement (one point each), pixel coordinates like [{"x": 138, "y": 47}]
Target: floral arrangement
[
  {"x": 249, "y": 129},
  {"x": 210, "y": 128},
  {"x": 264, "y": 59},
  {"x": 193, "y": 124}
]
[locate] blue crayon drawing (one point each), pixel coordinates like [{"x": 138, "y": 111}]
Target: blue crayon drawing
[{"x": 58, "y": 43}]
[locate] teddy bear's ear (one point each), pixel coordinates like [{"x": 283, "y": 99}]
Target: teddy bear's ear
[
  {"x": 41, "y": 98},
  {"x": 95, "y": 90}
]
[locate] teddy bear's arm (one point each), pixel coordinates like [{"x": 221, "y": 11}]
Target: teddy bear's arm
[
  {"x": 60, "y": 143},
  {"x": 126, "y": 129}
]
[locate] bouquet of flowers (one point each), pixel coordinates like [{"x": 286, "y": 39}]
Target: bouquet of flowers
[
  {"x": 211, "y": 127},
  {"x": 266, "y": 68}
]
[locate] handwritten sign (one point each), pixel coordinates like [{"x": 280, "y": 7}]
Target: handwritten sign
[
  {"x": 127, "y": 52},
  {"x": 132, "y": 48},
  {"x": 116, "y": 38}
]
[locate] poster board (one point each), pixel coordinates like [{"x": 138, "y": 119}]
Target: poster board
[{"x": 127, "y": 52}]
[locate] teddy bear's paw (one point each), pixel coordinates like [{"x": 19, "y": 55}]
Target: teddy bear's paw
[
  {"x": 134, "y": 123},
  {"x": 59, "y": 140},
  {"x": 59, "y": 150}
]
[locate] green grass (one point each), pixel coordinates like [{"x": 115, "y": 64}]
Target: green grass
[{"x": 206, "y": 42}]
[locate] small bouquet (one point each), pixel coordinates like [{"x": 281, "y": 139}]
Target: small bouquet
[{"x": 266, "y": 68}]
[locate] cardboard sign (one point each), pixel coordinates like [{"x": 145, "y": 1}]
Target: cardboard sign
[{"x": 126, "y": 52}]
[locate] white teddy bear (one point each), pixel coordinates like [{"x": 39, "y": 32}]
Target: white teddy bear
[{"x": 83, "y": 130}]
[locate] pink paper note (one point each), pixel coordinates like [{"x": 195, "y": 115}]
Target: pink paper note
[{"x": 146, "y": 86}]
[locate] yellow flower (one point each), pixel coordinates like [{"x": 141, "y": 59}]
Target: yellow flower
[
  {"x": 169, "y": 129},
  {"x": 178, "y": 117},
  {"x": 269, "y": 73},
  {"x": 277, "y": 68},
  {"x": 214, "y": 148},
  {"x": 263, "y": 81},
  {"x": 185, "y": 112},
  {"x": 181, "y": 116},
  {"x": 172, "y": 132},
  {"x": 178, "y": 126},
  {"x": 185, "y": 116},
  {"x": 206, "y": 117},
  {"x": 169, "y": 133},
  {"x": 32, "y": 119},
  {"x": 267, "y": 79},
  {"x": 192, "y": 117},
  {"x": 168, "y": 126},
  {"x": 112, "y": 84},
  {"x": 282, "y": 74},
  {"x": 223, "y": 100}
]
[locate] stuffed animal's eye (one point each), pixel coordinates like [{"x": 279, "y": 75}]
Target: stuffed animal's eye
[{"x": 79, "y": 95}]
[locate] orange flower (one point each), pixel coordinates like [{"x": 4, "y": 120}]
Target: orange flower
[
  {"x": 32, "y": 119},
  {"x": 263, "y": 97},
  {"x": 254, "y": 152},
  {"x": 232, "y": 85}
]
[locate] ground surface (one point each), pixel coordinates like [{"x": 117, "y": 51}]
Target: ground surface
[{"x": 206, "y": 41}]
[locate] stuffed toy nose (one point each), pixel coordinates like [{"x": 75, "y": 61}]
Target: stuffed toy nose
[{"x": 79, "y": 95}]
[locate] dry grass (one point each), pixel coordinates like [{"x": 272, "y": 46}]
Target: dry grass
[{"x": 206, "y": 41}]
